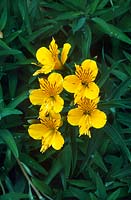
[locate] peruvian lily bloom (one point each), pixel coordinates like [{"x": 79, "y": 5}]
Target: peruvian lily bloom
[
  {"x": 49, "y": 58},
  {"x": 82, "y": 83},
  {"x": 48, "y": 94},
  {"x": 47, "y": 132},
  {"x": 86, "y": 115}
]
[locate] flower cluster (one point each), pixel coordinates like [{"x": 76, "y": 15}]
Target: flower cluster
[{"x": 48, "y": 96}]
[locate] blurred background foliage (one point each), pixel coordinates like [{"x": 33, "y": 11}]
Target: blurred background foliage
[{"x": 85, "y": 169}]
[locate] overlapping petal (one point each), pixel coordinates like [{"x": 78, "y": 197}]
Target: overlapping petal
[
  {"x": 86, "y": 115},
  {"x": 82, "y": 83},
  {"x": 57, "y": 141},
  {"x": 71, "y": 83},
  {"x": 64, "y": 53},
  {"x": 98, "y": 118},
  {"x": 47, "y": 131},
  {"x": 49, "y": 58},
  {"x": 74, "y": 116},
  {"x": 36, "y": 97}
]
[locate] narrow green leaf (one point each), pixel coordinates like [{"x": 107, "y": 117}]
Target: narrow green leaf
[
  {"x": 27, "y": 45},
  {"x": 98, "y": 161},
  {"x": 14, "y": 196},
  {"x": 106, "y": 73},
  {"x": 93, "y": 6},
  {"x": 9, "y": 52},
  {"x": 101, "y": 190},
  {"x": 68, "y": 15},
  {"x": 9, "y": 140},
  {"x": 123, "y": 87},
  {"x": 17, "y": 100},
  {"x": 39, "y": 32},
  {"x": 42, "y": 187},
  {"x": 3, "y": 18},
  {"x": 111, "y": 30},
  {"x": 82, "y": 183},
  {"x": 55, "y": 169},
  {"x": 12, "y": 79},
  {"x": 117, "y": 139},
  {"x": 13, "y": 36},
  {"x": 114, "y": 195},
  {"x": 4, "y": 45},
  {"x": 127, "y": 55},
  {"x": 92, "y": 196},
  {"x": 79, "y": 194},
  {"x": 66, "y": 157},
  {"x": 116, "y": 103},
  {"x": 78, "y": 24},
  {"x": 102, "y": 4},
  {"x": 9, "y": 111},
  {"x": 29, "y": 161}
]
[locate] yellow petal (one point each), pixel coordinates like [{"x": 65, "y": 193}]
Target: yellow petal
[
  {"x": 74, "y": 116},
  {"x": 37, "y": 131},
  {"x": 91, "y": 91},
  {"x": 71, "y": 83},
  {"x": 98, "y": 118},
  {"x": 44, "y": 70},
  {"x": 64, "y": 53},
  {"x": 58, "y": 104},
  {"x": 57, "y": 141},
  {"x": 44, "y": 56},
  {"x": 84, "y": 125},
  {"x": 91, "y": 67},
  {"x": 56, "y": 80},
  {"x": 36, "y": 97},
  {"x": 53, "y": 47},
  {"x": 84, "y": 131}
]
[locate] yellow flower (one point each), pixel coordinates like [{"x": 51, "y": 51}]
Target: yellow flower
[
  {"x": 81, "y": 84},
  {"x": 48, "y": 94},
  {"x": 49, "y": 58},
  {"x": 47, "y": 131},
  {"x": 86, "y": 115}
]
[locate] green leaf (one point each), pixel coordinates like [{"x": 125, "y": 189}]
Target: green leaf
[
  {"x": 123, "y": 87},
  {"x": 9, "y": 111},
  {"x": 111, "y": 30},
  {"x": 29, "y": 161},
  {"x": 9, "y": 140},
  {"x": 79, "y": 194},
  {"x": 114, "y": 195},
  {"x": 3, "y": 18},
  {"x": 117, "y": 139},
  {"x": 41, "y": 31},
  {"x": 115, "y": 103},
  {"x": 14, "y": 196},
  {"x": 13, "y": 36},
  {"x": 56, "y": 167},
  {"x": 12, "y": 79},
  {"x": 27, "y": 45},
  {"x": 106, "y": 73},
  {"x": 42, "y": 187},
  {"x": 93, "y": 6},
  {"x": 101, "y": 190},
  {"x": 9, "y": 52},
  {"x": 92, "y": 196},
  {"x": 78, "y": 24},
  {"x": 97, "y": 159},
  {"x": 4, "y": 45},
  {"x": 82, "y": 183},
  {"x": 17, "y": 100},
  {"x": 68, "y": 15}
]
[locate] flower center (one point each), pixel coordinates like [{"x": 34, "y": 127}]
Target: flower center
[
  {"x": 87, "y": 106},
  {"x": 49, "y": 89},
  {"x": 85, "y": 76}
]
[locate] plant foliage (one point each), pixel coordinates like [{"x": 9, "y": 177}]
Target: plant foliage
[{"x": 93, "y": 169}]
